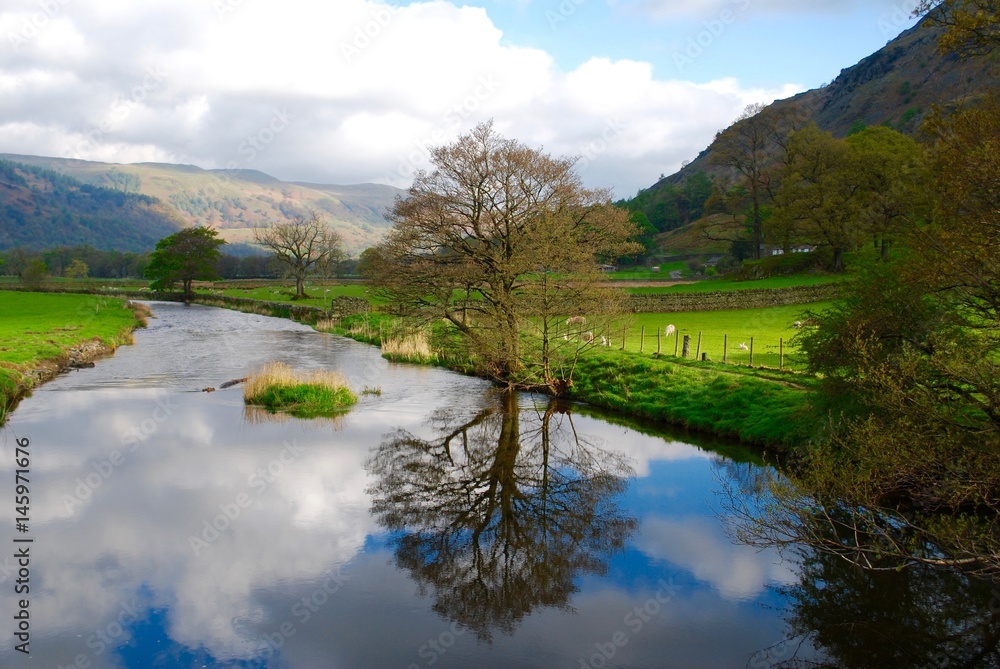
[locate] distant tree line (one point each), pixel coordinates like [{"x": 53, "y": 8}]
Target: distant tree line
[{"x": 100, "y": 264}]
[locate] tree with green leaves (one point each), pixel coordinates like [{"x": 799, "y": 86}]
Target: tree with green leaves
[
  {"x": 77, "y": 269},
  {"x": 820, "y": 196},
  {"x": 185, "y": 256},
  {"x": 972, "y": 27}
]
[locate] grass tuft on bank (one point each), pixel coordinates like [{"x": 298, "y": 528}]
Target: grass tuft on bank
[{"x": 278, "y": 387}]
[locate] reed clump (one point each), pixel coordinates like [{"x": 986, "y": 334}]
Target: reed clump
[
  {"x": 409, "y": 348},
  {"x": 278, "y": 387}
]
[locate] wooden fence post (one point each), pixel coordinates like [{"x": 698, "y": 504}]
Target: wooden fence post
[
  {"x": 642, "y": 337},
  {"x": 725, "y": 348},
  {"x": 697, "y": 353},
  {"x": 781, "y": 353},
  {"x": 624, "y": 336},
  {"x": 751, "y": 351},
  {"x": 687, "y": 346},
  {"x": 657, "y": 340},
  {"x": 677, "y": 343}
]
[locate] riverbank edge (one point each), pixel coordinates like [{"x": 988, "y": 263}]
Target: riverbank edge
[
  {"x": 26, "y": 378},
  {"x": 759, "y": 412}
]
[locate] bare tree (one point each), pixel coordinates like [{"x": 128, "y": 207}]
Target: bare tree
[
  {"x": 754, "y": 148},
  {"x": 501, "y": 242},
  {"x": 302, "y": 245}
]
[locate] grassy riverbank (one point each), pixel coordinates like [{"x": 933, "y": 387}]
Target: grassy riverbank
[
  {"x": 42, "y": 333},
  {"x": 759, "y": 406}
]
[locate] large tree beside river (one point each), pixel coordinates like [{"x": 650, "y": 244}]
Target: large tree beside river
[
  {"x": 185, "y": 256},
  {"x": 500, "y": 244}
]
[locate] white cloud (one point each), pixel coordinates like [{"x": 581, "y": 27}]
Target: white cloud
[
  {"x": 736, "y": 571},
  {"x": 367, "y": 88}
]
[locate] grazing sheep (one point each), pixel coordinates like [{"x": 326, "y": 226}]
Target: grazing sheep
[
  {"x": 744, "y": 347},
  {"x": 604, "y": 341},
  {"x": 670, "y": 330},
  {"x": 797, "y": 324},
  {"x": 587, "y": 336},
  {"x": 576, "y": 320}
]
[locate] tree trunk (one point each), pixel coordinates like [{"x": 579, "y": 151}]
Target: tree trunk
[{"x": 838, "y": 260}]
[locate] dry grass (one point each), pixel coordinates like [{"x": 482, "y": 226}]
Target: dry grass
[
  {"x": 142, "y": 312},
  {"x": 326, "y": 325},
  {"x": 413, "y": 347}
]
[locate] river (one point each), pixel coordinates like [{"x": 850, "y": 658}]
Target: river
[{"x": 436, "y": 524}]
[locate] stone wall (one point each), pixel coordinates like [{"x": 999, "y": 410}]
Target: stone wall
[{"x": 732, "y": 299}]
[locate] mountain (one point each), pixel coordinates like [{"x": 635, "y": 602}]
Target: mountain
[
  {"x": 235, "y": 201},
  {"x": 896, "y": 86},
  {"x": 40, "y": 209}
]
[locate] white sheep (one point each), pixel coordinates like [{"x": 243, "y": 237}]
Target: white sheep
[
  {"x": 744, "y": 347},
  {"x": 576, "y": 320},
  {"x": 797, "y": 324},
  {"x": 587, "y": 336},
  {"x": 604, "y": 341},
  {"x": 669, "y": 330}
]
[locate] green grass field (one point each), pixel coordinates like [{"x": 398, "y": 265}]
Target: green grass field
[
  {"x": 771, "y": 330},
  {"x": 40, "y": 326},
  {"x": 710, "y": 398}
]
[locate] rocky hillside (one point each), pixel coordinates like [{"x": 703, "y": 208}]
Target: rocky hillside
[
  {"x": 896, "y": 86},
  {"x": 234, "y": 201}
]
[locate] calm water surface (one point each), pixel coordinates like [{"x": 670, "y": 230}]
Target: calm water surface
[{"x": 439, "y": 524}]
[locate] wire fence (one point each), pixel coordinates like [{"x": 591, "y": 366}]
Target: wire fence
[{"x": 736, "y": 349}]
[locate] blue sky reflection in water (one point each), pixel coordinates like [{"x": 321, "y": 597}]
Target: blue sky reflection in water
[{"x": 226, "y": 540}]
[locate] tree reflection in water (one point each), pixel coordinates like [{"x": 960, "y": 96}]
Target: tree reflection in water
[
  {"x": 499, "y": 513},
  {"x": 920, "y": 615}
]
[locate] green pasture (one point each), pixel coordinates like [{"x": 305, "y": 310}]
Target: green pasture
[
  {"x": 770, "y": 331},
  {"x": 39, "y": 326}
]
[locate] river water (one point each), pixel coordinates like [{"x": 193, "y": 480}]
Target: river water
[{"x": 437, "y": 524}]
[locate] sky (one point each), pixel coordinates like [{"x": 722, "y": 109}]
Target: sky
[{"x": 356, "y": 91}]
